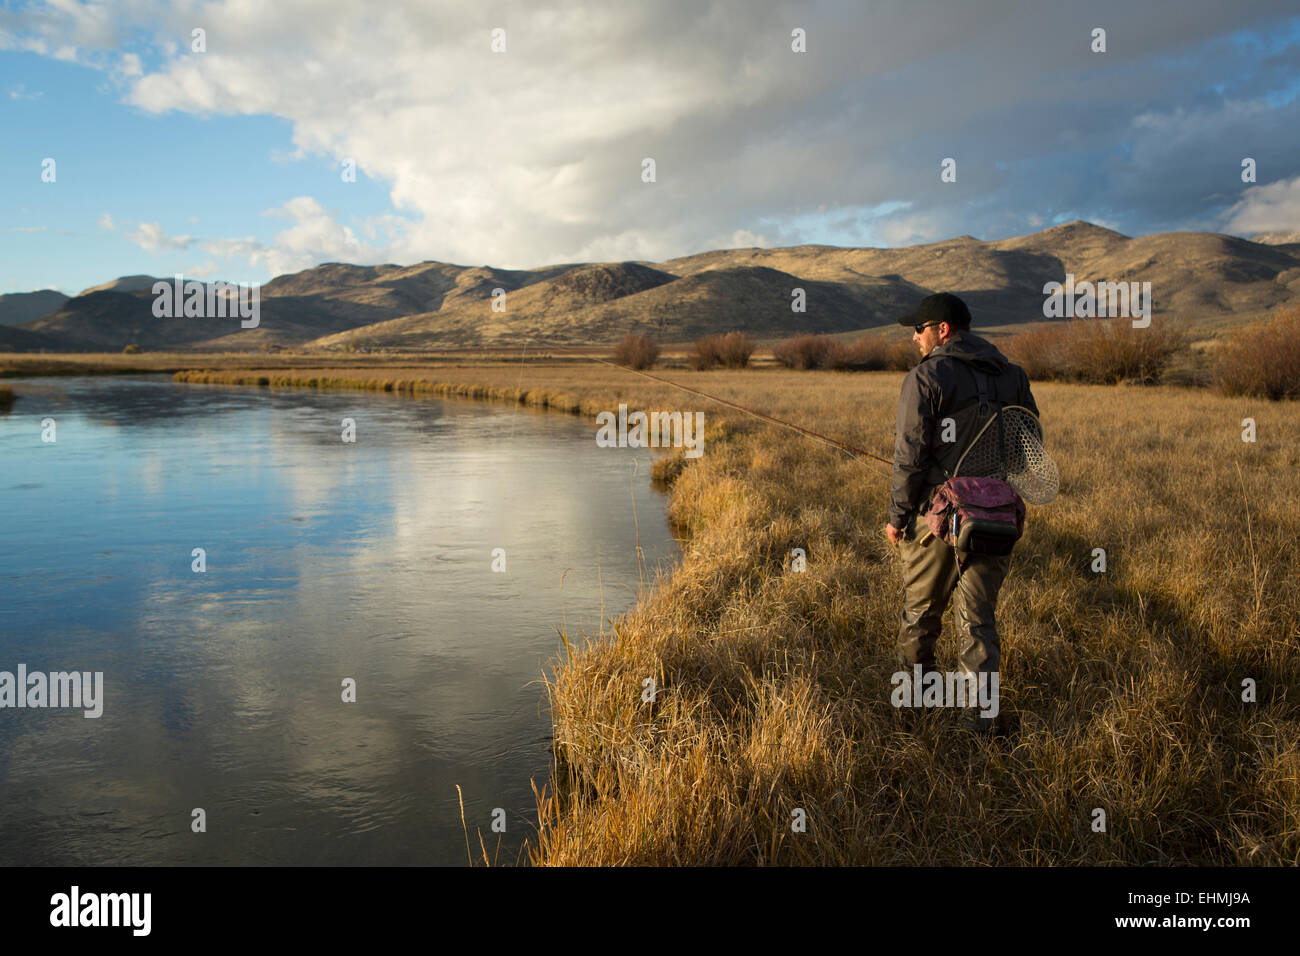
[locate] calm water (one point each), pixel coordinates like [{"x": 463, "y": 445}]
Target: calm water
[{"x": 325, "y": 561}]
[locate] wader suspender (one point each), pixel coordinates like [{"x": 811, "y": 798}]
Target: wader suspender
[
  {"x": 981, "y": 383},
  {"x": 982, "y": 386}
]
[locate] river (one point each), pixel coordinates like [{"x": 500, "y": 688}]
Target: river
[{"x": 328, "y": 569}]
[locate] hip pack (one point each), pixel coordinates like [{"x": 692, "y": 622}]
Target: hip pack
[{"x": 977, "y": 515}]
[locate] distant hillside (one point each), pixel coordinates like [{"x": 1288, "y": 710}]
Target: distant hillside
[
  {"x": 541, "y": 309},
  {"x": 122, "y": 284},
  {"x": 1206, "y": 278},
  {"x": 18, "y": 307},
  {"x": 1193, "y": 275},
  {"x": 21, "y": 340}
]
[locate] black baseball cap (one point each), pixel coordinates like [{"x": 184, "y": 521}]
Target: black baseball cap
[{"x": 940, "y": 307}]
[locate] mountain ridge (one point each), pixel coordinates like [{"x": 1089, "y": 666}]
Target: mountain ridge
[{"x": 432, "y": 304}]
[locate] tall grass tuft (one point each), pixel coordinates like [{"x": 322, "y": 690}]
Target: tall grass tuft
[
  {"x": 1262, "y": 359},
  {"x": 636, "y": 350}
]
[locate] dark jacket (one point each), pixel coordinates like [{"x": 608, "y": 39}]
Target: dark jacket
[{"x": 943, "y": 386}]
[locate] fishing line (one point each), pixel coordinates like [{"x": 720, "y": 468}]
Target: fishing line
[{"x": 808, "y": 432}]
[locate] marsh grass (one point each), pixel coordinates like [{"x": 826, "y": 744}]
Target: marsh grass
[{"x": 1124, "y": 688}]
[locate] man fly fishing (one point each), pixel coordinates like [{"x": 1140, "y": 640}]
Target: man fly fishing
[{"x": 953, "y": 533}]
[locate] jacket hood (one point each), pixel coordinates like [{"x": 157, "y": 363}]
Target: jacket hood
[{"x": 967, "y": 347}]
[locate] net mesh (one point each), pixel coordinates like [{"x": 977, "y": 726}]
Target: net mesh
[{"x": 1010, "y": 447}]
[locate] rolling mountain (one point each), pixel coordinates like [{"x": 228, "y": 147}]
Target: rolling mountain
[
  {"x": 122, "y": 284},
  {"x": 18, "y": 307},
  {"x": 1205, "y": 278}
]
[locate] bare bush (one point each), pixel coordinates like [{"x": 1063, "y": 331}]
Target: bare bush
[
  {"x": 1262, "y": 359},
  {"x": 804, "y": 351},
  {"x": 636, "y": 350},
  {"x": 1038, "y": 351},
  {"x": 867, "y": 354},
  {"x": 1106, "y": 351},
  {"x": 903, "y": 356},
  {"x": 1099, "y": 351},
  {"x": 704, "y": 353},
  {"x": 734, "y": 349}
]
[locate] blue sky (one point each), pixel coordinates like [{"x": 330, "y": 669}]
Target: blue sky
[{"x": 225, "y": 162}]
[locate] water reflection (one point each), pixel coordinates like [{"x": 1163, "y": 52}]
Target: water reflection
[{"x": 325, "y": 561}]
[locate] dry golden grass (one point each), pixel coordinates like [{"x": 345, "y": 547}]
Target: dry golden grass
[{"x": 773, "y": 686}]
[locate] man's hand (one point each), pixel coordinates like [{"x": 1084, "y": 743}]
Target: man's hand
[{"x": 894, "y": 535}]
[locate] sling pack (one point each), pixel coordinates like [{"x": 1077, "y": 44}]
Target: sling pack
[{"x": 977, "y": 514}]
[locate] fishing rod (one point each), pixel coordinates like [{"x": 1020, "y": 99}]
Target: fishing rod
[{"x": 833, "y": 442}]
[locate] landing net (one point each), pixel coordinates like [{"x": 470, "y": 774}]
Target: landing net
[{"x": 1010, "y": 447}]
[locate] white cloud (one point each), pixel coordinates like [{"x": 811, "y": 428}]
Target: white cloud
[
  {"x": 907, "y": 230},
  {"x": 105, "y": 222},
  {"x": 129, "y": 65},
  {"x": 313, "y": 238},
  {"x": 151, "y": 237},
  {"x": 534, "y": 156},
  {"x": 1274, "y": 207}
]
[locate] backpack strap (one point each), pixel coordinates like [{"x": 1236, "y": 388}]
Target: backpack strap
[{"x": 982, "y": 384}]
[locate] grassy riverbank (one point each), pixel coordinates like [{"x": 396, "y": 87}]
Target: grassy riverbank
[{"x": 773, "y": 686}]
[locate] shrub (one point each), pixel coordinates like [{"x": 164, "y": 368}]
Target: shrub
[
  {"x": 734, "y": 349},
  {"x": 131, "y": 350},
  {"x": 704, "y": 353},
  {"x": 1038, "y": 351},
  {"x": 1107, "y": 351},
  {"x": 804, "y": 351},
  {"x": 867, "y": 354},
  {"x": 636, "y": 350},
  {"x": 1261, "y": 359},
  {"x": 1100, "y": 351},
  {"x": 903, "y": 356}
]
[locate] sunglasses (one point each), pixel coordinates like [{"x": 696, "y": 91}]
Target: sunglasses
[{"x": 921, "y": 328}]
